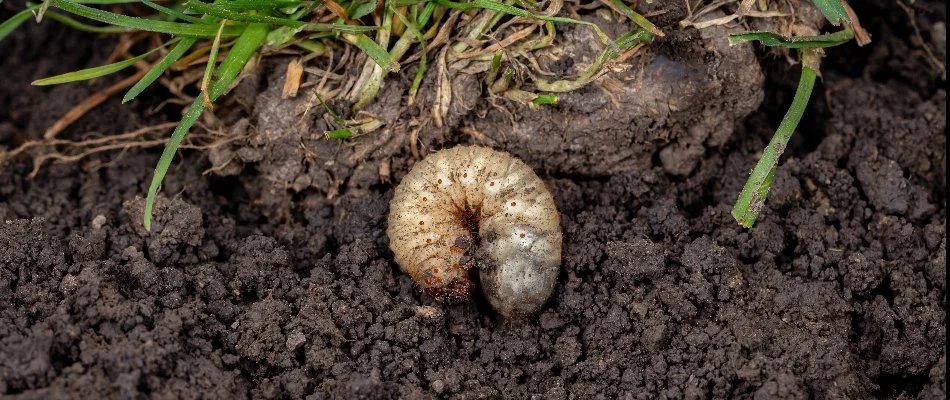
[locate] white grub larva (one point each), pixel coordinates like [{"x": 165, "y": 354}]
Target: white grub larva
[{"x": 469, "y": 209}]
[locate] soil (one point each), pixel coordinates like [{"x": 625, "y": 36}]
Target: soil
[{"x": 267, "y": 272}]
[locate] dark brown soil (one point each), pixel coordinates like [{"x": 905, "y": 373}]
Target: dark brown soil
[{"x": 271, "y": 278}]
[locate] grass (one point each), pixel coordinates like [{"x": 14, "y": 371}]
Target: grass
[
  {"x": 384, "y": 31},
  {"x": 751, "y": 200}
]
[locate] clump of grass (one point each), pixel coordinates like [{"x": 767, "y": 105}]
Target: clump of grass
[
  {"x": 385, "y": 31},
  {"x": 751, "y": 200}
]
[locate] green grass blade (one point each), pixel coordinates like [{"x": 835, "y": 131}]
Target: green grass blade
[
  {"x": 544, "y": 99},
  {"x": 13, "y": 22},
  {"x": 197, "y": 107},
  {"x": 80, "y": 26},
  {"x": 209, "y": 66},
  {"x": 312, "y": 46},
  {"x": 304, "y": 11},
  {"x": 338, "y": 28},
  {"x": 752, "y": 198},
  {"x": 636, "y": 18},
  {"x": 105, "y": 1},
  {"x": 158, "y": 69},
  {"x": 362, "y": 10},
  {"x": 413, "y": 30},
  {"x": 411, "y": 27},
  {"x": 174, "y": 28},
  {"x": 336, "y": 117},
  {"x": 795, "y": 42},
  {"x": 338, "y": 134},
  {"x": 493, "y": 68},
  {"x": 280, "y": 36},
  {"x": 370, "y": 87},
  {"x": 256, "y": 5},
  {"x": 377, "y": 53},
  {"x": 172, "y": 12},
  {"x": 833, "y": 11},
  {"x": 426, "y": 14},
  {"x": 243, "y": 49},
  {"x": 222, "y": 12},
  {"x": 90, "y": 73},
  {"x": 420, "y": 73}
]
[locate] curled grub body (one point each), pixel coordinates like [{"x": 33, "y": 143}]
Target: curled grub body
[{"x": 474, "y": 207}]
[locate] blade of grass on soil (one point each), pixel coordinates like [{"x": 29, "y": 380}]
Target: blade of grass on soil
[
  {"x": 243, "y": 49},
  {"x": 158, "y": 69},
  {"x": 752, "y": 198},
  {"x": 174, "y": 28},
  {"x": 80, "y": 26},
  {"x": 13, "y": 22},
  {"x": 362, "y": 10},
  {"x": 377, "y": 53},
  {"x": 172, "y": 12},
  {"x": 636, "y": 18},
  {"x": 544, "y": 99},
  {"x": 209, "y": 66},
  {"x": 95, "y": 72},
  {"x": 224, "y": 12},
  {"x": 104, "y": 2},
  {"x": 338, "y": 134},
  {"x": 257, "y": 5},
  {"x": 794, "y": 42},
  {"x": 833, "y": 11}
]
